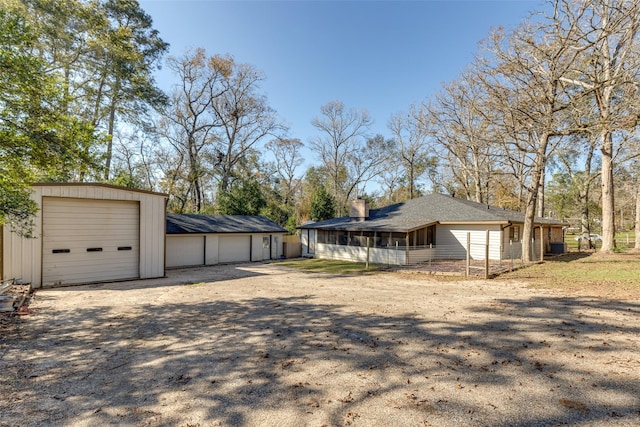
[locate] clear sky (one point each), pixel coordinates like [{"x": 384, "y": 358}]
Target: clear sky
[{"x": 376, "y": 55}]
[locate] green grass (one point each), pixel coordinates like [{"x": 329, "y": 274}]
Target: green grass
[
  {"x": 625, "y": 240},
  {"x": 331, "y": 266},
  {"x": 594, "y": 273}
]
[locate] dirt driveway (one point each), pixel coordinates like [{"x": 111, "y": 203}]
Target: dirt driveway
[{"x": 259, "y": 344}]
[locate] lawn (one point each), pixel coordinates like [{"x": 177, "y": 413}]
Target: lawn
[
  {"x": 612, "y": 275},
  {"x": 331, "y": 266}
]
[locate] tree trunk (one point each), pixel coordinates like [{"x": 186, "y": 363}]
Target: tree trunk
[
  {"x": 637, "y": 227},
  {"x": 583, "y": 196},
  {"x": 532, "y": 198},
  {"x": 113, "y": 106},
  {"x": 540, "y": 209},
  {"x": 109, "y": 153},
  {"x": 608, "y": 202},
  {"x": 527, "y": 231}
]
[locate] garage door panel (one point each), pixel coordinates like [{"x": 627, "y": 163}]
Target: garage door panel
[
  {"x": 185, "y": 251},
  {"x": 74, "y": 225},
  {"x": 234, "y": 248}
]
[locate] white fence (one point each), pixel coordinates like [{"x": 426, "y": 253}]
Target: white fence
[{"x": 472, "y": 258}]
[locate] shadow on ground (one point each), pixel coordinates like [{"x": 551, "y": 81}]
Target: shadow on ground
[{"x": 241, "y": 362}]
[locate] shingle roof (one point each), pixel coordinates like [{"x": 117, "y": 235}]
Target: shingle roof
[
  {"x": 425, "y": 211},
  {"x": 194, "y": 223}
]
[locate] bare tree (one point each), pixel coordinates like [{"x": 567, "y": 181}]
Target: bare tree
[
  {"x": 581, "y": 149},
  {"x": 342, "y": 136},
  {"x": 637, "y": 219},
  {"x": 288, "y": 157},
  {"x": 608, "y": 39},
  {"x": 460, "y": 122},
  {"x": 188, "y": 123},
  {"x": 411, "y": 147},
  {"x": 243, "y": 119},
  {"x": 524, "y": 77}
]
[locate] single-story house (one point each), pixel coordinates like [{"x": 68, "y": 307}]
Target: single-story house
[
  {"x": 435, "y": 226},
  {"x": 87, "y": 233},
  {"x": 194, "y": 239}
]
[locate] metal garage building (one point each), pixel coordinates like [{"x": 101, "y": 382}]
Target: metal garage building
[
  {"x": 194, "y": 240},
  {"x": 88, "y": 233}
]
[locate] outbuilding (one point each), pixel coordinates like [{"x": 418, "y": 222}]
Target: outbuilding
[
  {"x": 194, "y": 239},
  {"x": 85, "y": 233}
]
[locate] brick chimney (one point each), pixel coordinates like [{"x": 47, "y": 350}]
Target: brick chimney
[{"x": 359, "y": 209}]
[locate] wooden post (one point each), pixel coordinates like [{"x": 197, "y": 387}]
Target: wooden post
[
  {"x": 468, "y": 253},
  {"x": 486, "y": 257},
  {"x": 511, "y": 253},
  {"x": 541, "y": 243},
  {"x": 368, "y": 243}
]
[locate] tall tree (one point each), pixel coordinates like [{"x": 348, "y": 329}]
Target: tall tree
[
  {"x": 105, "y": 52},
  {"x": 411, "y": 148},
  {"x": 37, "y": 141},
  {"x": 525, "y": 80},
  {"x": 288, "y": 158},
  {"x": 462, "y": 127},
  {"x": 608, "y": 35},
  {"x": 341, "y": 141},
  {"x": 244, "y": 197},
  {"x": 127, "y": 51},
  {"x": 243, "y": 119},
  {"x": 322, "y": 205},
  {"x": 581, "y": 151},
  {"x": 189, "y": 122}
]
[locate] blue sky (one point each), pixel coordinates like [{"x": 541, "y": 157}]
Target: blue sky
[{"x": 376, "y": 55}]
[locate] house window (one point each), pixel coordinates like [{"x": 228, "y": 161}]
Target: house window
[
  {"x": 401, "y": 238},
  {"x": 343, "y": 237},
  {"x": 322, "y": 236},
  {"x": 514, "y": 233},
  {"x": 431, "y": 235}
]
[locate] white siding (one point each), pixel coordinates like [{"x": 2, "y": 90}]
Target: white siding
[
  {"x": 359, "y": 254},
  {"x": 23, "y": 257},
  {"x": 185, "y": 250},
  {"x": 211, "y": 250},
  {"x": 451, "y": 241},
  {"x": 256, "y": 247},
  {"x": 234, "y": 248}
]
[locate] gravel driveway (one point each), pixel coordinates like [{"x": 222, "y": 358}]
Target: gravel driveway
[{"x": 259, "y": 344}]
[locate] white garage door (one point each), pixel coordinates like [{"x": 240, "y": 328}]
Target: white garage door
[
  {"x": 185, "y": 251},
  {"x": 234, "y": 248},
  {"x": 88, "y": 240}
]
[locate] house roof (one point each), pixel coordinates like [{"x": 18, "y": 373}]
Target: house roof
[
  {"x": 427, "y": 210},
  {"x": 194, "y": 223}
]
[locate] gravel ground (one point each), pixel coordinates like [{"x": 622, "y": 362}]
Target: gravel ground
[{"x": 259, "y": 344}]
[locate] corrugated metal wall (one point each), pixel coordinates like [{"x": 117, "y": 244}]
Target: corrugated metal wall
[{"x": 23, "y": 257}]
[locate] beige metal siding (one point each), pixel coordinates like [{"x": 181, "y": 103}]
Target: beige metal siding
[
  {"x": 185, "y": 251},
  {"x": 211, "y": 251},
  {"x": 256, "y": 247},
  {"x": 23, "y": 257},
  {"x": 235, "y": 248},
  {"x": 88, "y": 240}
]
